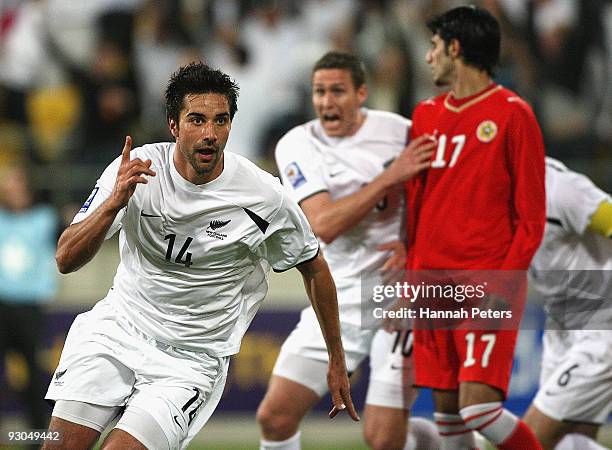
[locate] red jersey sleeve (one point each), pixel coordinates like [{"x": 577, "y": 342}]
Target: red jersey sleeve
[{"x": 526, "y": 164}]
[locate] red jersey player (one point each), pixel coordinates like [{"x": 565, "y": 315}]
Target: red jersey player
[{"x": 481, "y": 205}]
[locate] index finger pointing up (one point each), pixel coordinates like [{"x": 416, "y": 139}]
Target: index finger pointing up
[{"x": 127, "y": 147}]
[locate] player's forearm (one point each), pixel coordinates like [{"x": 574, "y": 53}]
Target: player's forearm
[
  {"x": 325, "y": 304},
  {"x": 321, "y": 292},
  {"x": 80, "y": 242},
  {"x": 347, "y": 212},
  {"x": 344, "y": 214}
]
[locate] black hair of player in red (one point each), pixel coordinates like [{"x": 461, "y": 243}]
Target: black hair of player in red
[{"x": 476, "y": 30}]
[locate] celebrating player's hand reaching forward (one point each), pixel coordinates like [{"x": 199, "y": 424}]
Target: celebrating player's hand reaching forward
[{"x": 130, "y": 173}]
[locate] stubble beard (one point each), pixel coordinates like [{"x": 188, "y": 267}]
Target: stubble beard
[{"x": 198, "y": 167}]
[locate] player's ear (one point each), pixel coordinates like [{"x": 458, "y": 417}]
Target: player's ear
[
  {"x": 454, "y": 48},
  {"x": 362, "y": 93},
  {"x": 173, "y": 126}
]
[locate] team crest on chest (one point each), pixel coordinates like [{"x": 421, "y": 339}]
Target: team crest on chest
[
  {"x": 214, "y": 225},
  {"x": 486, "y": 131}
]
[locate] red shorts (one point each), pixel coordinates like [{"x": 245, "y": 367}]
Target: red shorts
[{"x": 444, "y": 358}]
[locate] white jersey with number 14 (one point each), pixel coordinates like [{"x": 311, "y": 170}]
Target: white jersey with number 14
[{"x": 194, "y": 257}]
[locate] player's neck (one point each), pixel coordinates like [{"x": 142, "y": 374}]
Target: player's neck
[
  {"x": 470, "y": 81},
  {"x": 199, "y": 179},
  {"x": 358, "y": 123}
]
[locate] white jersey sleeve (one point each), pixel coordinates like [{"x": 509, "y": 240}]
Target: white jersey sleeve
[
  {"x": 289, "y": 239},
  {"x": 568, "y": 252},
  {"x": 100, "y": 193},
  {"x": 299, "y": 165},
  {"x": 572, "y": 197}
]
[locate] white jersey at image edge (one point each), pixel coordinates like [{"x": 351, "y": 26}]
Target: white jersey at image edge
[
  {"x": 194, "y": 258},
  {"x": 571, "y": 200},
  {"x": 311, "y": 162}
]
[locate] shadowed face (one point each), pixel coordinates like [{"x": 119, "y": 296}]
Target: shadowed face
[
  {"x": 336, "y": 101},
  {"x": 440, "y": 63},
  {"x": 201, "y": 135}
]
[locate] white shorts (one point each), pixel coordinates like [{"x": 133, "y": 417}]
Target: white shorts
[
  {"x": 576, "y": 377},
  {"x": 107, "y": 362},
  {"x": 392, "y": 370},
  {"x": 303, "y": 359}
]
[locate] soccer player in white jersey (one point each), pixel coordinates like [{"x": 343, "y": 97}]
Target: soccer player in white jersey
[
  {"x": 343, "y": 168},
  {"x": 575, "y": 395},
  {"x": 199, "y": 227}
]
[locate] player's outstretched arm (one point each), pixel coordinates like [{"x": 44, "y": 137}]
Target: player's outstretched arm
[
  {"x": 330, "y": 218},
  {"x": 79, "y": 243},
  {"x": 322, "y": 294}
]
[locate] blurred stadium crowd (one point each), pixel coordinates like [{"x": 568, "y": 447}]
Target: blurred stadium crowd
[{"x": 75, "y": 78}]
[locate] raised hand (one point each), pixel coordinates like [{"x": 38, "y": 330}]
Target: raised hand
[
  {"x": 415, "y": 157},
  {"x": 130, "y": 174}
]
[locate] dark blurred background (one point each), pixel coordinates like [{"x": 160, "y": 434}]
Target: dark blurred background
[{"x": 76, "y": 77}]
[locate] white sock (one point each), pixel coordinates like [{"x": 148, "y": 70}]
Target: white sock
[
  {"x": 491, "y": 420},
  {"x": 577, "y": 441},
  {"x": 481, "y": 442},
  {"x": 422, "y": 435},
  {"x": 293, "y": 443},
  {"x": 454, "y": 435}
]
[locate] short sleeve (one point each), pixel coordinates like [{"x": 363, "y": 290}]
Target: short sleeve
[
  {"x": 574, "y": 199},
  {"x": 289, "y": 239},
  {"x": 299, "y": 165},
  {"x": 100, "y": 193}
]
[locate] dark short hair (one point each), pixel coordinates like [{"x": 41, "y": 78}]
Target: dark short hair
[
  {"x": 342, "y": 60},
  {"x": 198, "y": 78},
  {"x": 476, "y": 30}
]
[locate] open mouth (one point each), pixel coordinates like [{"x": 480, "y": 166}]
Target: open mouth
[
  {"x": 206, "y": 153},
  {"x": 331, "y": 118},
  {"x": 331, "y": 121}
]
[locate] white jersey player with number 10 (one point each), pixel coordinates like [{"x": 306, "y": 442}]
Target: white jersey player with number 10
[
  {"x": 573, "y": 270},
  {"x": 311, "y": 163},
  {"x": 198, "y": 230}
]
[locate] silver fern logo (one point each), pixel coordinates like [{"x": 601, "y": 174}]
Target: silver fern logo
[{"x": 216, "y": 224}]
